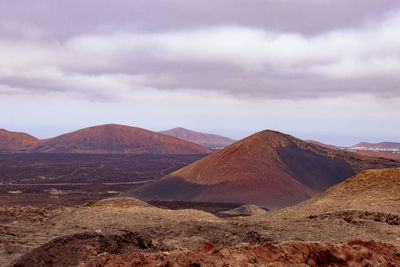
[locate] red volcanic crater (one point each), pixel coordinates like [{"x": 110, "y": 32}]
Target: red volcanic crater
[
  {"x": 114, "y": 138},
  {"x": 11, "y": 141},
  {"x": 268, "y": 168}
]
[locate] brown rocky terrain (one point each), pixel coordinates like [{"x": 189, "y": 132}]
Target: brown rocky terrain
[
  {"x": 245, "y": 210},
  {"x": 354, "y": 253},
  {"x": 379, "y": 190},
  {"x": 117, "y": 139},
  {"x": 377, "y": 154},
  {"x": 12, "y": 141},
  {"x": 355, "y": 223},
  {"x": 203, "y": 139},
  {"x": 269, "y": 169}
]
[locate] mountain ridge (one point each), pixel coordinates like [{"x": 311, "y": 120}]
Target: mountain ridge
[
  {"x": 115, "y": 138},
  {"x": 203, "y": 139},
  {"x": 381, "y": 145}
]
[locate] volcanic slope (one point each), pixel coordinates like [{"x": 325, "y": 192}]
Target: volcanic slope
[
  {"x": 114, "y": 138},
  {"x": 365, "y": 206},
  {"x": 268, "y": 169},
  {"x": 371, "y": 190},
  {"x": 11, "y": 141},
  {"x": 203, "y": 139}
]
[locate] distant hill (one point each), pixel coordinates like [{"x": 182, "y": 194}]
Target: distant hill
[
  {"x": 114, "y": 138},
  {"x": 12, "y": 141},
  {"x": 368, "y": 153},
  {"x": 203, "y": 139},
  {"x": 268, "y": 169},
  {"x": 378, "y": 146}
]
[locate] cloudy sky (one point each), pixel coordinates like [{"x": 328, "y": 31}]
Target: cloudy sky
[{"x": 318, "y": 69}]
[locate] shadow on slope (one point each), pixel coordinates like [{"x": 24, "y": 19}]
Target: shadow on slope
[
  {"x": 314, "y": 170},
  {"x": 176, "y": 188}
]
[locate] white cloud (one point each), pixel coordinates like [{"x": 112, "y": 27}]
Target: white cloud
[
  {"x": 254, "y": 48},
  {"x": 273, "y": 64},
  {"x": 358, "y": 68}
]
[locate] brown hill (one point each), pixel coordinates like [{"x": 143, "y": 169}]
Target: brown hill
[
  {"x": 113, "y": 138},
  {"x": 11, "y": 141},
  {"x": 268, "y": 169},
  {"x": 371, "y": 190},
  {"x": 203, "y": 139}
]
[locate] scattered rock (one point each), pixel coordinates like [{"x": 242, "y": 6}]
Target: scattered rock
[
  {"x": 54, "y": 191},
  {"x": 356, "y": 217},
  {"x": 123, "y": 202},
  {"x": 75, "y": 249},
  {"x": 354, "y": 253},
  {"x": 245, "y": 210},
  {"x": 30, "y": 214}
]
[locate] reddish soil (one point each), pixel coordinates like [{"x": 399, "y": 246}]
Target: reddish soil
[
  {"x": 72, "y": 250},
  {"x": 354, "y": 253},
  {"x": 269, "y": 169},
  {"x": 113, "y": 138},
  {"x": 203, "y": 139}
]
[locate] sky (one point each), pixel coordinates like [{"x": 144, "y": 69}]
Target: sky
[{"x": 327, "y": 70}]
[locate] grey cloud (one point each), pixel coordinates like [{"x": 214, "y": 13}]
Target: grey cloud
[
  {"x": 287, "y": 49},
  {"x": 63, "y": 19}
]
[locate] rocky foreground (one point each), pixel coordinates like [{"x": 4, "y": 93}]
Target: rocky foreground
[
  {"x": 354, "y": 253},
  {"x": 356, "y": 223}
]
